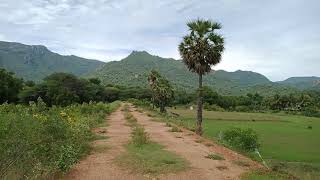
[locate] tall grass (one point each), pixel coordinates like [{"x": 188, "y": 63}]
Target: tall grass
[{"x": 38, "y": 142}]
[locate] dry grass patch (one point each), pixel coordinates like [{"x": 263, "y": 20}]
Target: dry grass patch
[
  {"x": 146, "y": 157},
  {"x": 175, "y": 129},
  {"x": 214, "y": 157}
]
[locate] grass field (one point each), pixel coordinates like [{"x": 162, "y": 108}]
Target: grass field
[
  {"x": 152, "y": 159},
  {"x": 293, "y": 140}
]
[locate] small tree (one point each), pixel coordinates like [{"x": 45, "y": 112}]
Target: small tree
[
  {"x": 10, "y": 86},
  {"x": 162, "y": 91},
  {"x": 200, "y": 50}
]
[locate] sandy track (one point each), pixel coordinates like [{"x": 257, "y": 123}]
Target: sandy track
[
  {"x": 100, "y": 165},
  {"x": 183, "y": 144}
]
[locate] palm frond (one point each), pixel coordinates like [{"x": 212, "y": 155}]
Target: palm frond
[{"x": 202, "y": 48}]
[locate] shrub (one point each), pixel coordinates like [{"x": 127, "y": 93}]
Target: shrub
[
  {"x": 213, "y": 107},
  {"x": 243, "y": 139},
  {"x": 139, "y": 136},
  {"x": 37, "y": 141},
  {"x": 175, "y": 129},
  {"x": 311, "y": 112}
]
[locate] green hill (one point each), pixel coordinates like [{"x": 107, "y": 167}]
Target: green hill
[
  {"x": 34, "y": 62},
  {"x": 302, "y": 83},
  {"x": 134, "y": 69}
]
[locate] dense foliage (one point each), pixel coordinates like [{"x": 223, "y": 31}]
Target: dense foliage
[
  {"x": 305, "y": 102},
  {"x": 162, "y": 91},
  {"x": 242, "y": 139},
  {"x": 64, "y": 89},
  {"x": 10, "y": 87},
  {"x": 37, "y": 141}
]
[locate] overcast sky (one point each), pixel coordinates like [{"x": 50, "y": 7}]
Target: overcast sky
[{"x": 278, "y": 38}]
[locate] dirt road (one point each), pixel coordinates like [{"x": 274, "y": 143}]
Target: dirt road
[
  {"x": 187, "y": 145},
  {"x": 100, "y": 165}
]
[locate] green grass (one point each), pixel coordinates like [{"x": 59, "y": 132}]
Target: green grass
[
  {"x": 265, "y": 175},
  {"x": 284, "y": 138},
  {"x": 147, "y": 157},
  {"x": 131, "y": 120},
  {"x": 152, "y": 159}
]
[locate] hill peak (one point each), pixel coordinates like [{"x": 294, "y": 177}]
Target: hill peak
[{"x": 139, "y": 53}]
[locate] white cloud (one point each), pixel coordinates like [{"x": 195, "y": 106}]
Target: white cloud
[{"x": 259, "y": 35}]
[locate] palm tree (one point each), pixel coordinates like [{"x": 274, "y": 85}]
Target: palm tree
[{"x": 200, "y": 50}]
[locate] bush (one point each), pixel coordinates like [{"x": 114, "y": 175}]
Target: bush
[
  {"x": 242, "y": 139},
  {"x": 141, "y": 103},
  {"x": 311, "y": 112},
  {"x": 213, "y": 107},
  {"x": 37, "y": 141},
  {"x": 175, "y": 129}
]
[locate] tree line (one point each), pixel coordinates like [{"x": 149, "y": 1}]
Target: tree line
[
  {"x": 63, "y": 89},
  {"x": 305, "y": 102}
]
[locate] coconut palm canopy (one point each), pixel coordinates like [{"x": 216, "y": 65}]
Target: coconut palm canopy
[{"x": 203, "y": 47}]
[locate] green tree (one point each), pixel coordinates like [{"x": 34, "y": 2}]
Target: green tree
[
  {"x": 64, "y": 89},
  {"x": 162, "y": 91},
  {"x": 201, "y": 49},
  {"x": 95, "y": 81},
  {"x": 10, "y": 86}
]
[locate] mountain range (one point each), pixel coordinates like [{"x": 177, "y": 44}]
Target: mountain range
[
  {"x": 133, "y": 71},
  {"x": 36, "y": 62}
]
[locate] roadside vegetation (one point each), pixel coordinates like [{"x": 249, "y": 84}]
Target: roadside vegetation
[{"x": 38, "y": 141}]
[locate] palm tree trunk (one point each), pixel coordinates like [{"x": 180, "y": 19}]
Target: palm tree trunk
[{"x": 199, "y": 110}]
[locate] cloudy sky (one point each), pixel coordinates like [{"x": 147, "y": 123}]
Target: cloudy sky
[{"x": 278, "y": 38}]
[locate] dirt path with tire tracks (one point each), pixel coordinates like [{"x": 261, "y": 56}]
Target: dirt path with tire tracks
[
  {"x": 186, "y": 145},
  {"x": 100, "y": 163}
]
